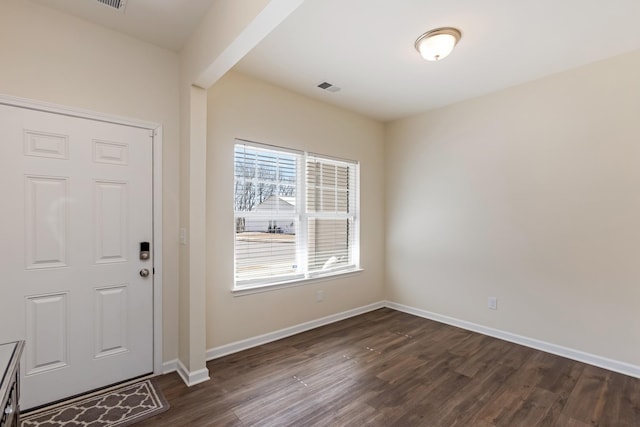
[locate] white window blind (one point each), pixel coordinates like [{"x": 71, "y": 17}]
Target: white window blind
[
  {"x": 266, "y": 214},
  {"x": 295, "y": 215},
  {"x": 331, "y": 207}
]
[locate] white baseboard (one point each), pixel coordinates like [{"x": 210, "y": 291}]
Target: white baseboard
[
  {"x": 580, "y": 356},
  {"x": 192, "y": 378},
  {"x": 169, "y": 366},
  {"x": 248, "y": 343}
]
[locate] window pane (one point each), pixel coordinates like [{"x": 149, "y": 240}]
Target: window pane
[
  {"x": 261, "y": 174},
  {"x": 328, "y": 175},
  {"x": 342, "y": 177},
  {"x": 329, "y": 243},
  {"x": 328, "y": 187},
  {"x": 342, "y": 201},
  {"x": 266, "y": 248}
]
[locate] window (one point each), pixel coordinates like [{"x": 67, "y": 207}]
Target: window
[{"x": 296, "y": 215}]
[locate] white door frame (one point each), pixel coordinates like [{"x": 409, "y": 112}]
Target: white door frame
[{"x": 155, "y": 130}]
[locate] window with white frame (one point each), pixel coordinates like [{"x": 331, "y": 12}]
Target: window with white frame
[{"x": 296, "y": 215}]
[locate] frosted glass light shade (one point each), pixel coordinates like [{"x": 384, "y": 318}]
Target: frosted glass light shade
[{"x": 437, "y": 44}]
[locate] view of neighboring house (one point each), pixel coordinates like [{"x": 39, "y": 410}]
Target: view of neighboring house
[{"x": 273, "y": 203}]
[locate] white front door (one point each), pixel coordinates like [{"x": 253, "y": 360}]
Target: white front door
[{"x": 76, "y": 200}]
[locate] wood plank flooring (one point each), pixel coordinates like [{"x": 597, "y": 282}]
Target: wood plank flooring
[{"x": 388, "y": 368}]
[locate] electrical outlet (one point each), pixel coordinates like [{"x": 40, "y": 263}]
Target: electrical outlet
[
  {"x": 183, "y": 236},
  {"x": 319, "y": 296},
  {"x": 492, "y": 303}
]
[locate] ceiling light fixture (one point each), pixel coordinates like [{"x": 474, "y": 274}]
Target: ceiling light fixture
[{"x": 437, "y": 44}]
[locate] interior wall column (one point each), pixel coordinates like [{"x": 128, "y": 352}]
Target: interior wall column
[
  {"x": 229, "y": 30},
  {"x": 197, "y": 235}
]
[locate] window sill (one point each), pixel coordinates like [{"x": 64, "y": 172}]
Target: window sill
[{"x": 256, "y": 289}]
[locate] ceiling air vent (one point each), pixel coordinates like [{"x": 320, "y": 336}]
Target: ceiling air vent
[
  {"x": 328, "y": 87},
  {"x": 116, "y": 4}
]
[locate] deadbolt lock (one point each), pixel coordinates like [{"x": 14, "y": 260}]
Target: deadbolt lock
[{"x": 144, "y": 251}]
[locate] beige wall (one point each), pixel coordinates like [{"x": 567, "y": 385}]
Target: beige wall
[
  {"x": 242, "y": 107},
  {"x": 531, "y": 195},
  {"x": 52, "y": 57}
]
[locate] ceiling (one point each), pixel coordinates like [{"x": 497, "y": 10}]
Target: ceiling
[
  {"x": 165, "y": 23},
  {"x": 366, "y": 47}
]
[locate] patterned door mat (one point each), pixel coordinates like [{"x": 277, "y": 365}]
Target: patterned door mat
[{"x": 117, "y": 407}]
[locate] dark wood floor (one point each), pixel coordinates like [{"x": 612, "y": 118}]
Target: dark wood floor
[{"x": 388, "y": 368}]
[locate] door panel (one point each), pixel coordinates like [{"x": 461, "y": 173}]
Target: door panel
[
  {"x": 111, "y": 320},
  {"x": 46, "y": 222},
  {"x": 77, "y": 202},
  {"x": 111, "y": 221},
  {"x": 47, "y": 333}
]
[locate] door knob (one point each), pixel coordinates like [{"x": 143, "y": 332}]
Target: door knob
[{"x": 144, "y": 272}]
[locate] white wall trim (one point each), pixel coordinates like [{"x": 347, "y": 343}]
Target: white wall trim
[
  {"x": 192, "y": 378},
  {"x": 157, "y": 195},
  {"x": 158, "y": 349},
  {"x": 248, "y": 343},
  {"x": 169, "y": 366},
  {"x": 580, "y": 356},
  {"x": 48, "y": 107}
]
